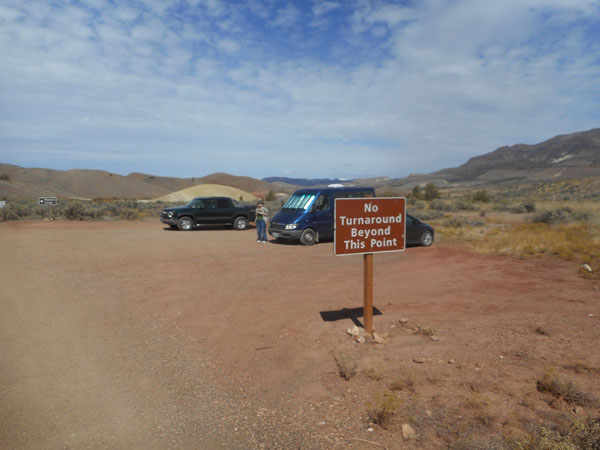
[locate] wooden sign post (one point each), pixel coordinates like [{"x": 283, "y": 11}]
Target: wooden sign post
[{"x": 364, "y": 226}]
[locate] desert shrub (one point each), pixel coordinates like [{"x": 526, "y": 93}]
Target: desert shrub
[
  {"x": 442, "y": 206},
  {"x": 431, "y": 192},
  {"x": 563, "y": 214},
  {"x": 581, "y": 435},
  {"x": 430, "y": 215},
  {"x": 4, "y": 177},
  {"x": 425, "y": 331},
  {"x": 374, "y": 370},
  {"x": 501, "y": 207},
  {"x": 74, "y": 211},
  {"x": 420, "y": 205},
  {"x": 527, "y": 207},
  {"x": 13, "y": 211},
  {"x": 346, "y": 365},
  {"x": 586, "y": 434},
  {"x": 481, "y": 196},
  {"x": 465, "y": 206},
  {"x": 384, "y": 409},
  {"x": 566, "y": 389},
  {"x": 454, "y": 222},
  {"x": 405, "y": 382},
  {"x": 416, "y": 193}
]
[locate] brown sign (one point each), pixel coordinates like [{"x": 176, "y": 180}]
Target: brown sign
[{"x": 369, "y": 225}]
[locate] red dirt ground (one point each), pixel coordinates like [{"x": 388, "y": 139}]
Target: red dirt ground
[{"x": 129, "y": 335}]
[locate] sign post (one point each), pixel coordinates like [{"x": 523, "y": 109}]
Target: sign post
[
  {"x": 368, "y": 292},
  {"x": 49, "y": 201},
  {"x": 366, "y": 226}
]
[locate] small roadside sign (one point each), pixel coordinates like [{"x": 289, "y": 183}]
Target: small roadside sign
[
  {"x": 369, "y": 225},
  {"x": 364, "y": 226},
  {"x": 47, "y": 200}
]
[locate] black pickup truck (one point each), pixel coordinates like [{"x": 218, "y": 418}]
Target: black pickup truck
[{"x": 209, "y": 211}]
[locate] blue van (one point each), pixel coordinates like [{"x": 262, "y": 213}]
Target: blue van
[{"x": 308, "y": 214}]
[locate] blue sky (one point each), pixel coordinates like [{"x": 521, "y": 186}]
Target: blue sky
[{"x": 290, "y": 88}]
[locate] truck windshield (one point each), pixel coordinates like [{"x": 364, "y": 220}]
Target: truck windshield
[{"x": 299, "y": 201}]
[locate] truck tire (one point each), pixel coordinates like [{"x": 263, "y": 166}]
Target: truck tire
[
  {"x": 308, "y": 237},
  {"x": 240, "y": 223},
  {"x": 185, "y": 223}
]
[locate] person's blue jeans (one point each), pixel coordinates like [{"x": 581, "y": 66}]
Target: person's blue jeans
[{"x": 261, "y": 229}]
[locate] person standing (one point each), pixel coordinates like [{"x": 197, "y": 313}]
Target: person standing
[{"x": 262, "y": 214}]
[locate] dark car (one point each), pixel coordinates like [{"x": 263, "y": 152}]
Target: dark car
[{"x": 418, "y": 232}]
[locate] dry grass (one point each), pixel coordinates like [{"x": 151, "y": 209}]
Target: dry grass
[
  {"x": 384, "y": 409},
  {"x": 405, "y": 382},
  {"x": 577, "y": 242},
  {"x": 346, "y": 365},
  {"x": 425, "y": 331},
  {"x": 581, "y": 435},
  {"x": 565, "y": 389},
  {"x": 375, "y": 370},
  {"x": 505, "y": 226}
]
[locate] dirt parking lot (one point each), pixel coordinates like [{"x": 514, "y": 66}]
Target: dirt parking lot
[{"x": 128, "y": 335}]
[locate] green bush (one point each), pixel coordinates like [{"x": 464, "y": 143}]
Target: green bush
[
  {"x": 431, "y": 192},
  {"x": 560, "y": 215},
  {"x": 466, "y": 206},
  {"x": 442, "y": 206},
  {"x": 481, "y": 196},
  {"x": 454, "y": 222},
  {"x": 13, "y": 211},
  {"x": 523, "y": 208},
  {"x": 74, "y": 211}
]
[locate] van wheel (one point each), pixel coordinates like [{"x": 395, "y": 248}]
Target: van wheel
[
  {"x": 185, "y": 224},
  {"x": 308, "y": 237}
]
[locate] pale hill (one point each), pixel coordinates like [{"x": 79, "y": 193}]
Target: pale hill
[{"x": 207, "y": 190}]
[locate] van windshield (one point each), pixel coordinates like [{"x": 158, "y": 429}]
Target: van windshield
[{"x": 299, "y": 201}]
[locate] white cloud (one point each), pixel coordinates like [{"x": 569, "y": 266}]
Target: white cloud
[
  {"x": 228, "y": 45},
  {"x": 324, "y": 7},
  {"x": 414, "y": 88},
  {"x": 286, "y": 17}
]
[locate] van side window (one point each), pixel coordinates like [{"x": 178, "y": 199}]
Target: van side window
[{"x": 322, "y": 203}]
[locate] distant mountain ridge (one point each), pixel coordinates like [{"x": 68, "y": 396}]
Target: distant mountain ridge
[
  {"x": 20, "y": 182},
  {"x": 575, "y": 155},
  {"x": 306, "y": 181},
  {"x": 552, "y": 157}
]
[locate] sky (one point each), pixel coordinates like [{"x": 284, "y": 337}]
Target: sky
[{"x": 348, "y": 89}]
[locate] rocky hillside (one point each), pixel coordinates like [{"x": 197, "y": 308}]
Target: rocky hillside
[{"x": 567, "y": 156}]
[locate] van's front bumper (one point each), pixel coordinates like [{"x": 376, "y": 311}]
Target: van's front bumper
[{"x": 279, "y": 232}]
